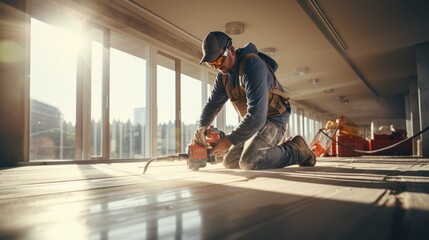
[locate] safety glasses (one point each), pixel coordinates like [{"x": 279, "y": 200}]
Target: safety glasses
[{"x": 221, "y": 57}]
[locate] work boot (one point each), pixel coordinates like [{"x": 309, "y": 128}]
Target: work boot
[{"x": 307, "y": 157}]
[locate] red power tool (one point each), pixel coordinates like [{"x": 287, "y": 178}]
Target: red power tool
[
  {"x": 200, "y": 155},
  {"x": 197, "y": 156}
]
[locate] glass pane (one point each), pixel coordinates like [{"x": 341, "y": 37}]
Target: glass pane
[
  {"x": 210, "y": 83},
  {"x": 166, "y": 100},
  {"x": 306, "y": 128},
  {"x": 127, "y": 98},
  {"x": 293, "y": 123},
  {"x": 53, "y": 64},
  {"x": 211, "y": 80},
  {"x": 97, "y": 95},
  {"x": 300, "y": 122},
  {"x": 191, "y": 98},
  {"x": 232, "y": 117}
]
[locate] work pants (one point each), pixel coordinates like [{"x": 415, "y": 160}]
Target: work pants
[{"x": 262, "y": 150}]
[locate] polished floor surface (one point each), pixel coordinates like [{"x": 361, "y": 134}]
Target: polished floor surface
[{"x": 339, "y": 198}]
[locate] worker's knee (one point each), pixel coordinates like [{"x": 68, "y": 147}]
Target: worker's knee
[
  {"x": 231, "y": 165},
  {"x": 247, "y": 165},
  {"x": 230, "y": 160}
]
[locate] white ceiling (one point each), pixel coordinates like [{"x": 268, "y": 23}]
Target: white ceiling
[{"x": 370, "y": 66}]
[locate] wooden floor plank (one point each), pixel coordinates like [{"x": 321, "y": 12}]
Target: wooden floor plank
[{"x": 339, "y": 198}]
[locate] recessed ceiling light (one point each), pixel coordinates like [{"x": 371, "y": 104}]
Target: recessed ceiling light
[
  {"x": 343, "y": 100},
  {"x": 301, "y": 71},
  {"x": 270, "y": 51},
  {"x": 314, "y": 81},
  {"x": 234, "y": 28}
]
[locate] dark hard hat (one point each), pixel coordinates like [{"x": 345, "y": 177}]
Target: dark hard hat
[{"x": 212, "y": 46}]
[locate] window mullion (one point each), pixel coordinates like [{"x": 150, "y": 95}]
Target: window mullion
[
  {"x": 83, "y": 114},
  {"x": 106, "y": 95}
]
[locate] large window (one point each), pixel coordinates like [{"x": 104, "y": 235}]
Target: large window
[
  {"x": 97, "y": 106},
  {"x": 231, "y": 116},
  {"x": 300, "y": 121},
  {"x": 293, "y": 123},
  {"x": 166, "y": 109},
  {"x": 127, "y": 98},
  {"x": 306, "y": 128},
  {"x": 305, "y": 125},
  {"x": 191, "y": 99},
  {"x": 90, "y": 96},
  {"x": 66, "y": 90},
  {"x": 209, "y": 88},
  {"x": 53, "y": 64}
]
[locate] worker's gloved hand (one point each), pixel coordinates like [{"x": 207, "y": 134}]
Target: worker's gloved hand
[{"x": 199, "y": 136}]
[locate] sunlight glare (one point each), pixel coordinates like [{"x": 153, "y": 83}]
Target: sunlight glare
[{"x": 53, "y": 63}]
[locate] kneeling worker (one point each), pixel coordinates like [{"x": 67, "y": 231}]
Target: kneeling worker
[{"x": 247, "y": 79}]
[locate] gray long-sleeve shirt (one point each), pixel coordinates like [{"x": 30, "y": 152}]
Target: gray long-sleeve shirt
[{"x": 257, "y": 81}]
